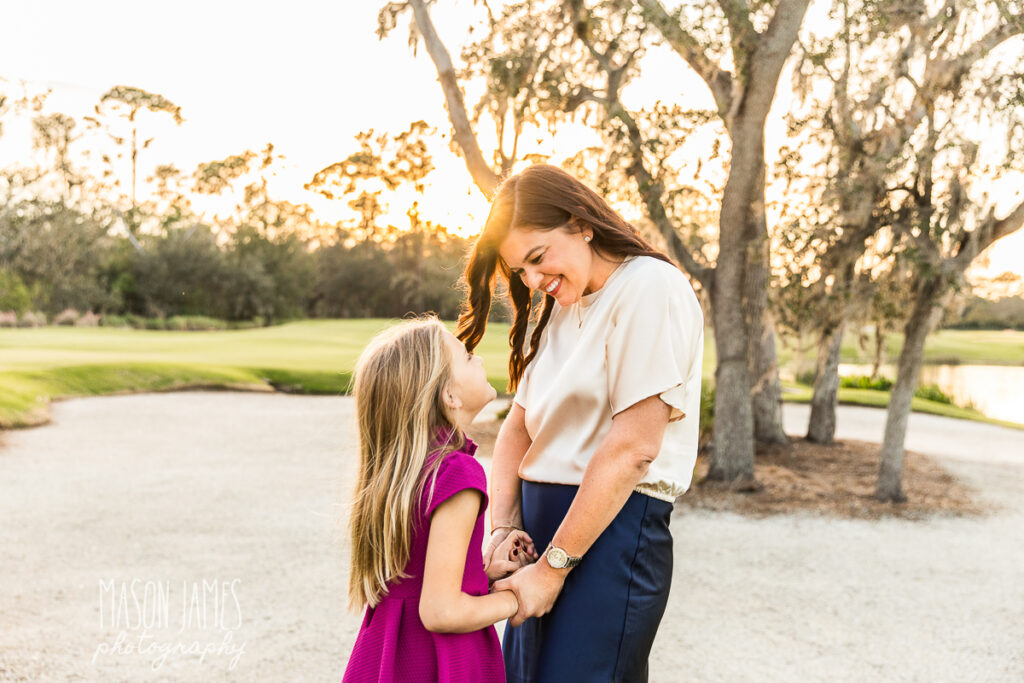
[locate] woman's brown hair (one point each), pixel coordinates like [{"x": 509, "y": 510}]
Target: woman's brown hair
[{"x": 542, "y": 197}]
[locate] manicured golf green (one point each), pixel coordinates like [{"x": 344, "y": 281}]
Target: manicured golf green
[{"x": 317, "y": 356}]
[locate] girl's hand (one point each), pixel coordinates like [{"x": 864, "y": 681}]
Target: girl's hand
[
  {"x": 514, "y": 551},
  {"x": 536, "y": 587},
  {"x": 497, "y": 537}
]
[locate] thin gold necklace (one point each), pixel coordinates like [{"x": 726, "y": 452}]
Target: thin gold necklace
[{"x": 579, "y": 304}]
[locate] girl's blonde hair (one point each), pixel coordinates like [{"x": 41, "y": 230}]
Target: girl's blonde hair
[{"x": 399, "y": 382}]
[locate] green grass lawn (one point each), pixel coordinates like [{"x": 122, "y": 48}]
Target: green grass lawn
[
  {"x": 980, "y": 347},
  {"x": 798, "y": 393},
  {"x": 312, "y": 356}
]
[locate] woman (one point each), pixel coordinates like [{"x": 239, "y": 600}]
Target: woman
[{"x": 602, "y": 433}]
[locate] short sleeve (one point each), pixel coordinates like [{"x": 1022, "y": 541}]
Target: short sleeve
[
  {"x": 458, "y": 472},
  {"x": 656, "y": 338}
]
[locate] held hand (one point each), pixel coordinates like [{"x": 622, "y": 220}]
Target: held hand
[
  {"x": 515, "y": 551},
  {"x": 497, "y": 538},
  {"x": 537, "y": 587},
  {"x": 521, "y": 548}
]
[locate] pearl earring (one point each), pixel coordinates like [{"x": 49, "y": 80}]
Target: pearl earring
[{"x": 586, "y": 238}]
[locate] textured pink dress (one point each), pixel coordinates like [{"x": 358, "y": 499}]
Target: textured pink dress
[{"x": 392, "y": 644}]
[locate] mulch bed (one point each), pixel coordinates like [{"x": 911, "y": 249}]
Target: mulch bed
[{"x": 836, "y": 481}]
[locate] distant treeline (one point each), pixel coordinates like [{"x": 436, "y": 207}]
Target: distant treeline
[
  {"x": 55, "y": 257},
  {"x": 985, "y": 314}
]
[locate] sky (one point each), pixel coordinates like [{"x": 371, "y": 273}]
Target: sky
[{"x": 306, "y": 75}]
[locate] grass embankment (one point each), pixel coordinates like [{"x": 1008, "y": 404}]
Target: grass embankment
[
  {"x": 798, "y": 393},
  {"x": 944, "y": 347},
  {"x": 317, "y": 356},
  {"x": 312, "y": 356}
]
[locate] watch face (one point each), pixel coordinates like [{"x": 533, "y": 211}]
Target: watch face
[{"x": 557, "y": 558}]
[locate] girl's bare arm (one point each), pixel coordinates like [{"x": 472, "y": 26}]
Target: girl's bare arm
[{"x": 444, "y": 608}]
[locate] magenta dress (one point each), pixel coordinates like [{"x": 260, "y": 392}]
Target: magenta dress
[{"x": 393, "y": 644}]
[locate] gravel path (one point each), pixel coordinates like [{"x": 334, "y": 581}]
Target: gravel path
[{"x": 237, "y": 498}]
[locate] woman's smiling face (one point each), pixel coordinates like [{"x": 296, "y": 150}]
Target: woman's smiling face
[{"x": 558, "y": 262}]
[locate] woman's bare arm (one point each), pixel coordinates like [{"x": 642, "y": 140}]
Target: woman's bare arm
[
  {"x": 509, "y": 449},
  {"x": 620, "y": 462}
]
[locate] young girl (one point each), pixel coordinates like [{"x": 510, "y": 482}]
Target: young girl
[{"x": 417, "y": 519}]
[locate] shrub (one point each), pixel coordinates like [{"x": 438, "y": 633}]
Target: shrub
[
  {"x": 32, "y": 319},
  {"x": 933, "y": 393},
  {"x": 807, "y": 377},
  {"x": 203, "y": 323},
  {"x": 195, "y": 323},
  {"x": 707, "y": 412},
  {"x": 14, "y": 295},
  {"x": 66, "y": 317},
  {"x": 8, "y": 319},
  {"x": 115, "y": 321},
  {"x": 258, "y": 321},
  {"x": 88, "y": 319},
  {"x": 177, "y": 323},
  {"x": 865, "y": 382},
  {"x": 926, "y": 391},
  {"x": 136, "y": 321},
  {"x": 153, "y": 324}
]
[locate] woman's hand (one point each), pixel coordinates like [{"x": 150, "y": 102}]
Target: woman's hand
[
  {"x": 514, "y": 551},
  {"x": 537, "y": 587}
]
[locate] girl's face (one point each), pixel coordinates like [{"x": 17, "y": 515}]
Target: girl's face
[
  {"x": 557, "y": 262},
  {"x": 469, "y": 381}
]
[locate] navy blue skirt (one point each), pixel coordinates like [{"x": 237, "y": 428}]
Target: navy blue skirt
[{"x": 604, "y": 621}]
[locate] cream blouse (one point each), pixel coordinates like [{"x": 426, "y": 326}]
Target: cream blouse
[{"x": 640, "y": 335}]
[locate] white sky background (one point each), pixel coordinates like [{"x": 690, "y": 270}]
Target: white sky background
[{"x": 306, "y": 75}]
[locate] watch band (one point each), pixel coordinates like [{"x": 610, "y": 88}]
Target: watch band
[{"x": 559, "y": 559}]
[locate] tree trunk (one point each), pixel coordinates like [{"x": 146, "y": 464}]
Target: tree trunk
[
  {"x": 135, "y": 154},
  {"x": 927, "y": 312},
  {"x": 876, "y": 363},
  {"x": 767, "y": 391},
  {"x": 766, "y": 388},
  {"x": 732, "y": 458},
  {"x": 821, "y": 428}
]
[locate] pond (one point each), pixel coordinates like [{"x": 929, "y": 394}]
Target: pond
[{"x": 996, "y": 390}]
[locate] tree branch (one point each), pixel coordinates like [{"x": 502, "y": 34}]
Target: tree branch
[
  {"x": 1001, "y": 228},
  {"x": 484, "y": 177},
  {"x": 743, "y": 37},
  {"x": 687, "y": 47},
  {"x": 652, "y": 191},
  {"x": 945, "y": 74},
  {"x": 773, "y": 48},
  {"x": 981, "y": 238}
]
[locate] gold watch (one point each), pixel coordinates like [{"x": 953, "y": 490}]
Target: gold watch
[{"x": 559, "y": 559}]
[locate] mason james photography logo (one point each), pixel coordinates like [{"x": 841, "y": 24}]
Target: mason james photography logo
[{"x": 161, "y": 619}]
